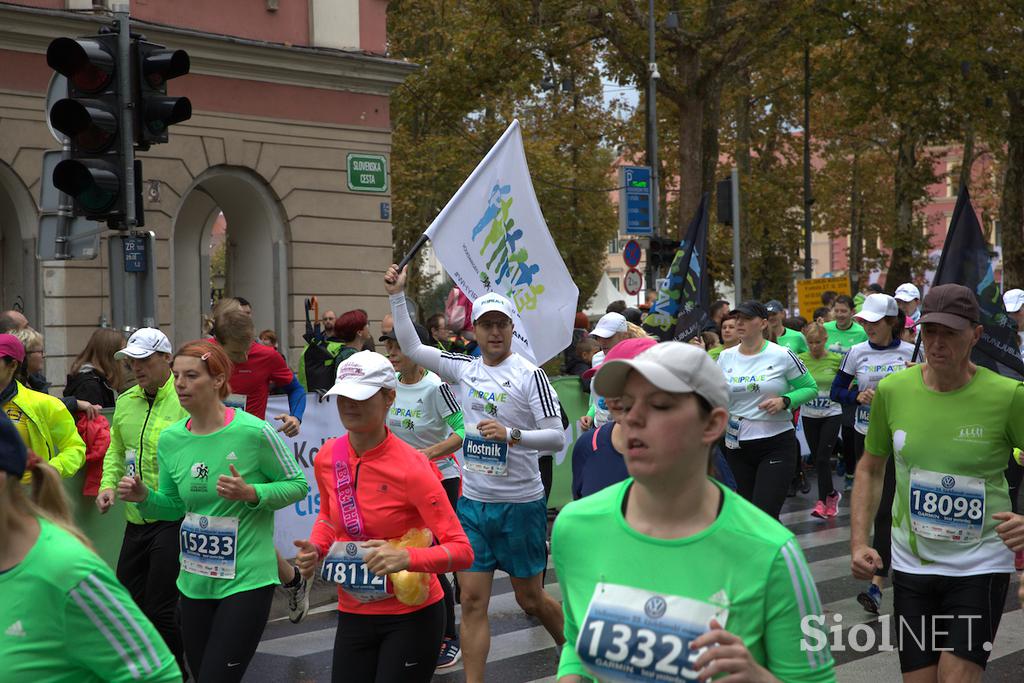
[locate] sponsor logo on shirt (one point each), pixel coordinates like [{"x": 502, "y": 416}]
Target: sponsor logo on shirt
[
  {"x": 403, "y": 412},
  {"x": 200, "y": 471},
  {"x": 971, "y": 434},
  {"x": 408, "y": 424},
  {"x": 747, "y": 379},
  {"x": 491, "y": 409},
  {"x": 489, "y": 396},
  {"x": 15, "y": 629},
  {"x": 886, "y": 368},
  {"x": 655, "y": 607}
]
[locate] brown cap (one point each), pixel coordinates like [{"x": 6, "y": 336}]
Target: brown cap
[{"x": 951, "y": 305}]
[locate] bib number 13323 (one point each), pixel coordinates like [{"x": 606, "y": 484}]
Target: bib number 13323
[{"x": 630, "y": 634}]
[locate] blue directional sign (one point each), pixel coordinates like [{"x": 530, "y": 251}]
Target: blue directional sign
[
  {"x": 635, "y": 200},
  {"x": 134, "y": 255}
]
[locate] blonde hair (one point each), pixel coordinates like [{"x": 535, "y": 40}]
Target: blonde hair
[
  {"x": 46, "y": 498},
  {"x": 815, "y": 329},
  {"x": 635, "y": 331},
  {"x": 220, "y": 308},
  {"x": 234, "y": 325},
  {"x": 28, "y": 337}
]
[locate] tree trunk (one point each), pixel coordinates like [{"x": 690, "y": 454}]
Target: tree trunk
[
  {"x": 968, "y": 158},
  {"x": 743, "y": 163},
  {"x": 856, "y": 254},
  {"x": 1011, "y": 210},
  {"x": 902, "y": 239},
  {"x": 691, "y": 137}
]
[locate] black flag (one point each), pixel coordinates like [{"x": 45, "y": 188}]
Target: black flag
[
  {"x": 681, "y": 310},
  {"x": 965, "y": 261}
]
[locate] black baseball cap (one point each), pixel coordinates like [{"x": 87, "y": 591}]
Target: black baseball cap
[
  {"x": 774, "y": 306},
  {"x": 13, "y": 454},
  {"x": 421, "y": 332},
  {"x": 751, "y": 309}
]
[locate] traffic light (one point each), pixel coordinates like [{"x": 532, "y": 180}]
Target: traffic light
[
  {"x": 156, "y": 111},
  {"x": 90, "y": 117},
  {"x": 662, "y": 251}
]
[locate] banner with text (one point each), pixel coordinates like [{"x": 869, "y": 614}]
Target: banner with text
[{"x": 491, "y": 237}]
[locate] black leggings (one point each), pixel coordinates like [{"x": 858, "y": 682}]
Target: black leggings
[
  {"x": 148, "y": 568},
  {"x": 221, "y": 636},
  {"x": 388, "y": 648},
  {"x": 763, "y": 469},
  {"x": 1014, "y": 474},
  {"x": 451, "y": 487},
  {"x": 882, "y": 540},
  {"x": 546, "y": 463},
  {"x": 821, "y": 433}
]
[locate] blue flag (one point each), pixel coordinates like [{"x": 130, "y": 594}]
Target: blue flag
[{"x": 681, "y": 309}]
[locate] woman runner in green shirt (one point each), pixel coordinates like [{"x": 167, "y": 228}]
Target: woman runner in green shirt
[
  {"x": 822, "y": 417},
  {"x": 65, "y": 618},
  {"x": 630, "y": 613},
  {"x": 226, "y": 472}
]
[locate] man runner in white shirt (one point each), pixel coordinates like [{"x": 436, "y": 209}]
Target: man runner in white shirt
[{"x": 511, "y": 416}]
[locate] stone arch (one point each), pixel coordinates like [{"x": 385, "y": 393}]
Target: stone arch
[{"x": 19, "y": 271}]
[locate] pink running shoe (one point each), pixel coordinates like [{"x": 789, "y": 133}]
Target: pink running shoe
[
  {"x": 832, "y": 504},
  {"x": 820, "y": 511}
]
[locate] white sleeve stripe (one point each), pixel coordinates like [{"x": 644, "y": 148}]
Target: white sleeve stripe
[
  {"x": 544, "y": 390},
  {"x": 288, "y": 464},
  {"x": 117, "y": 623},
  {"x": 118, "y": 646},
  {"x": 798, "y": 577},
  {"x": 128, "y": 618},
  {"x": 449, "y": 399}
]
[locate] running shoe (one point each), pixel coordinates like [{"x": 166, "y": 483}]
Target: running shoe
[
  {"x": 840, "y": 468},
  {"x": 819, "y": 510},
  {"x": 871, "y": 599},
  {"x": 298, "y": 600},
  {"x": 1018, "y": 560},
  {"x": 805, "y": 486},
  {"x": 450, "y": 653},
  {"x": 832, "y": 504},
  {"x": 849, "y": 483}
]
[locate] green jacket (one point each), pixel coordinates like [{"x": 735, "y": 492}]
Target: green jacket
[
  {"x": 52, "y": 434},
  {"x": 136, "y": 425}
]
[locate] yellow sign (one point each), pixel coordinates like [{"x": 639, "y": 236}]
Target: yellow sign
[{"x": 808, "y": 292}]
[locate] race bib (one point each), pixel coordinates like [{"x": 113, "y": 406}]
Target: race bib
[
  {"x": 130, "y": 462},
  {"x": 630, "y": 634},
  {"x": 483, "y": 456},
  {"x": 946, "y": 507},
  {"x": 208, "y": 545},
  {"x": 732, "y": 433},
  {"x": 860, "y": 420},
  {"x": 345, "y": 566}
]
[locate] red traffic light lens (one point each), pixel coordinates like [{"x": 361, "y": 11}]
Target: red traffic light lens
[{"x": 86, "y": 62}]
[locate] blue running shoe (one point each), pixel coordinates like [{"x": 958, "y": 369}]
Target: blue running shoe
[
  {"x": 871, "y": 600},
  {"x": 450, "y": 653}
]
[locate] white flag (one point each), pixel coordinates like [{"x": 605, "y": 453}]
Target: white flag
[{"x": 491, "y": 237}]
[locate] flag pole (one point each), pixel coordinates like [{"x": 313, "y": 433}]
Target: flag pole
[{"x": 412, "y": 252}]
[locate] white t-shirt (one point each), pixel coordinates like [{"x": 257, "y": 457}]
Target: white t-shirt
[
  {"x": 752, "y": 379},
  {"x": 418, "y": 417},
  {"x": 869, "y": 366}
]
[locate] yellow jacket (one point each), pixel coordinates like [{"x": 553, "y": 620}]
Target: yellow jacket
[{"x": 52, "y": 434}]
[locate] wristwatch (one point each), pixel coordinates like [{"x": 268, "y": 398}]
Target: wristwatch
[
  {"x": 515, "y": 435},
  {"x": 786, "y": 402}
]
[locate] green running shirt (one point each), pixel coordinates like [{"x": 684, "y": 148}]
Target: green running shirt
[
  {"x": 64, "y": 618},
  {"x": 190, "y": 465},
  {"x": 951, "y": 450},
  {"x": 746, "y": 567},
  {"x": 841, "y": 341},
  {"x": 792, "y": 340},
  {"x": 823, "y": 370}
]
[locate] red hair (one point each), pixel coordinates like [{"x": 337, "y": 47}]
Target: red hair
[
  {"x": 214, "y": 359},
  {"x": 349, "y": 323}
]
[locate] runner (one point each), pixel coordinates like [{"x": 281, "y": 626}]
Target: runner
[
  {"x": 1013, "y": 300},
  {"x": 65, "y": 617},
  {"x": 908, "y": 297},
  {"x": 42, "y": 421},
  {"x": 766, "y": 383},
  {"x": 822, "y": 417},
  {"x": 843, "y": 334},
  {"x": 225, "y": 472},
  {"x": 511, "y": 415},
  {"x": 729, "y": 338},
  {"x": 255, "y": 368},
  {"x": 377, "y": 492},
  {"x": 618, "y": 552},
  {"x": 868, "y": 362},
  {"x": 948, "y": 424},
  {"x": 148, "y": 563},
  {"x": 598, "y": 413},
  {"x": 791, "y": 339},
  {"x": 427, "y": 416}
]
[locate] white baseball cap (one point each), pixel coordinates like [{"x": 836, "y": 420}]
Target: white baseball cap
[
  {"x": 609, "y": 325},
  {"x": 674, "y": 367},
  {"x": 1013, "y": 300},
  {"x": 878, "y": 306},
  {"x": 144, "y": 343},
  {"x": 362, "y": 375},
  {"x": 492, "y": 302},
  {"x": 908, "y": 291}
]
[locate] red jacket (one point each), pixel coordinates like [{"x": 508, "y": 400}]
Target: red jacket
[
  {"x": 396, "y": 489},
  {"x": 96, "y": 435}
]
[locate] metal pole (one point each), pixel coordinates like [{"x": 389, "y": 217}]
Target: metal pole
[
  {"x": 125, "y": 288},
  {"x": 808, "y": 200},
  {"x": 652, "y": 117},
  {"x": 737, "y": 281},
  {"x": 65, "y": 213}
]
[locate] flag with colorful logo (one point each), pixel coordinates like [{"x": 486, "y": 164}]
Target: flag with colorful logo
[
  {"x": 491, "y": 237},
  {"x": 966, "y": 261},
  {"x": 681, "y": 310}
]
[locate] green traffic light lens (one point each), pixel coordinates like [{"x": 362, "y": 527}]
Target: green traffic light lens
[{"x": 95, "y": 198}]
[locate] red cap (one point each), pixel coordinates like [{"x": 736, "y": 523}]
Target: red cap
[
  {"x": 11, "y": 346},
  {"x": 624, "y": 350}
]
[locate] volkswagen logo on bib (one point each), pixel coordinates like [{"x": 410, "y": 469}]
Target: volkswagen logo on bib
[
  {"x": 655, "y": 607},
  {"x": 351, "y": 549},
  {"x": 948, "y": 482},
  {"x": 203, "y": 522}
]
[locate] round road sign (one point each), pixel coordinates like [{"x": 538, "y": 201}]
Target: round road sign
[
  {"x": 631, "y": 253},
  {"x": 633, "y": 282}
]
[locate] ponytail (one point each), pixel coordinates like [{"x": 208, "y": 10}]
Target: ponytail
[{"x": 635, "y": 331}]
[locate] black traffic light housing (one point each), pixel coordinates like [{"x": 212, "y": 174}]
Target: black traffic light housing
[
  {"x": 662, "y": 251},
  {"x": 156, "y": 65},
  {"x": 90, "y": 117}
]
